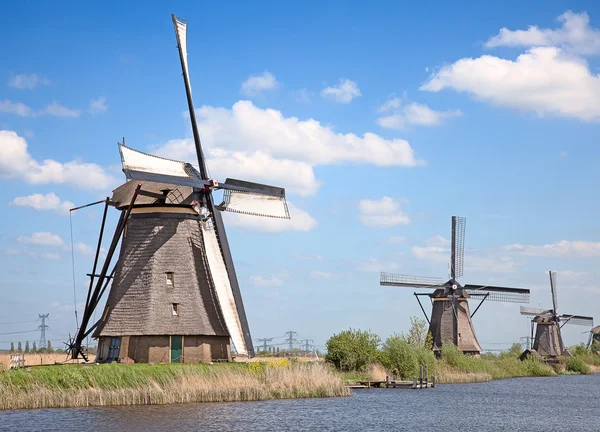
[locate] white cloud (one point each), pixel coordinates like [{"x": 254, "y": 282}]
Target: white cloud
[
  {"x": 382, "y": 213},
  {"x": 20, "y": 109},
  {"x": 266, "y": 282},
  {"x": 344, "y": 92},
  {"x": 41, "y": 238},
  {"x": 414, "y": 114},
  {"x": 50, "y": 256},
  {"x": 310, "y": 257},
  {"x": 315, "y": 274},
  {"x": 544, "y": 80},
  {"x": 25, "y": 81},
  {"x": 391, "y": 104},
  {"x": 502, "y": 264},
  {"x": 83, "y": 248},
  {"x": 436, "y": 249},
  {"x": 49, "y": 201},
  {"x": 299, "y": 221},
  {"x": 14, "y": 252},
  {"x": 56, "y": 109},
  {"x": 98, "y": 106},
  {"x": 264, "y": 146},
  {"x": 563, "y": 248},
  {"x": 375, "y": 265},
  {"x": 257, "y": 84},
  {"x": 17, "y": 163},
  {"x": 575, "y": 35},
  {"x": 17, "y": 108}
]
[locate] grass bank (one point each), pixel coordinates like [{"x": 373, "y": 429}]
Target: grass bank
[{"x": 140, "y": 384}]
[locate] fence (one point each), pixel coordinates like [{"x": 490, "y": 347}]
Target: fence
[{"x": 16, "y": 361}]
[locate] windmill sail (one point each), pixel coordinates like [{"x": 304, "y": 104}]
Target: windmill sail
[
  {"x": 458, "y": 246},
  {"x": 181, "y": 33}
]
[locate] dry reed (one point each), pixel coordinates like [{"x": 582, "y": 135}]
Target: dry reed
[{"x": 106, "y": 385}]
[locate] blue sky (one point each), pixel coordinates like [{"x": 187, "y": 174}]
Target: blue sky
[{"x": 382, "y": 121}]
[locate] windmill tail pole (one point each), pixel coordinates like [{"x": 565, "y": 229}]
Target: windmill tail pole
[{"x": 94, "y": 298}]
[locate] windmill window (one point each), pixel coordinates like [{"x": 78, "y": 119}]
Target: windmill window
[
  {"x": 170, "y": 278},
  {"x": 175, "y": 309}
]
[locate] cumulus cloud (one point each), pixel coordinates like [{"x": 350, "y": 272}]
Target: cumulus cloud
[
  {"x": 266, "y": 282},
  {"x": 17, "y": 163},
  {"x": 27, "y": 81},
  {"x": 395, "y": 239},
  {"x": 413, "y": 114},
  {"x": 257, "y": 84},
  {"x": 436, "y": 249},
  {"x": 551, "y": 78},
  {"x": 264, "y": 146},
  {"x": 543, "y": 80},
  {"x": 575, "y": 35},
  {"x": 383, "y": 213},
  {"x": 563, "y": 248},
  {"x": 344, "y": 92},
  {"x": 41, "y": 238},
  {"x": 299, "y": 221},
  {"x": 98, "y": 106},
  {"x": 49, "y": 201}
]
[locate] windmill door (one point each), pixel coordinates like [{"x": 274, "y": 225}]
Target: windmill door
[
  {"x": 113, "y": 348},
  {"x": 176, "y": 349}
]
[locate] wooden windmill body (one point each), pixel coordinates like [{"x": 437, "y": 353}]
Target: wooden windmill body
[
  {"x": 547, "y": 323},
  {"x": 451, "y": 318},
  {"x": 174, "y": 295}
]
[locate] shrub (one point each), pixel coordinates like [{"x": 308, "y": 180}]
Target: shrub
[
  {"x": 404, "y": 358},
  {"x": 353, "y": 350},
  {"x": 576, "y": 364}
]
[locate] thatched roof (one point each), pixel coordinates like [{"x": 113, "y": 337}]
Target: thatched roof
[
  {"x": 140, "y": 300},
  {"x": 177, "y": 195},
  {"x": 596, "y": 330}
]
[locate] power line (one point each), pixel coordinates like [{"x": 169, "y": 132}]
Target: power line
[{"x": 18, "y": 322}]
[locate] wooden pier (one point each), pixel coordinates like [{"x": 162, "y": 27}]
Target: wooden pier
[{"x": 422, "y": 382}]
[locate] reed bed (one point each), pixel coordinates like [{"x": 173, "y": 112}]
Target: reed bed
[{"x": 115, "y": 384}]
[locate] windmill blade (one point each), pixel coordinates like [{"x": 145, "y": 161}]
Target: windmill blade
[
  {"x": 553, "y": 289},
  {"x": 458, "y": 246},
  {"x": 138, "y": 165},
  {"x": 499, "y": 294},
  {"x": 533, "y": 311},
  {"x": 253, "y": 199},
  {"x": 402, "y": 280},
  {"x": 577, "y": 320}
]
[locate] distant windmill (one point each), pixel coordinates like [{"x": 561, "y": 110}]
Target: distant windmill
[
  {"x": 450, "y": 321},
  {"x": 594, "y": 336},
  {"x": 174, "y": 296},
  {"x": 548, "y": 340}
]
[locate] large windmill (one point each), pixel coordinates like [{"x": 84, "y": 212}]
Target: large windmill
[
  {"x": 450, "y": 321},
  {"x": 548, "y": 341},
  {"x": 174, "y": 295}
]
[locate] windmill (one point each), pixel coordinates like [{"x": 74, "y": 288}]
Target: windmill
[
  {"x": 174, "y": 294},
  {"x": 594, "y": 337},
  {"x": 450, "y": 321},
  {"x": 548, "y": 323}
]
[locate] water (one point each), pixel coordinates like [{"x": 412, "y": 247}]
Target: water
[{"x": 532, "y": 404}]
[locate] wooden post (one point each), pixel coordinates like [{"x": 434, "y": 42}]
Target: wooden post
[
  {"x": 421, "y": 375},
  {"x": 426, "y": 377},
  {"x": 415, "y": 383},
  {"x": 433, "y": 381}
]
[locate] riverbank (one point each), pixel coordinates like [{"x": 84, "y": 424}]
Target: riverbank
[{"x": 140, "y": 384}]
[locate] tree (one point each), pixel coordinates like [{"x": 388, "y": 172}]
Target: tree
[
  {"x": 49, "y": 349},
  {"x": 19, "y": 348},
  {"x": 34, "y": 347},
  {"x": 515, "y": 349},
  {"x": 27, "y": 347},
  {"x": 417, "y": 333},
  {"x": 12, "y": 347},
  {"x": 353, "y": 349}
]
